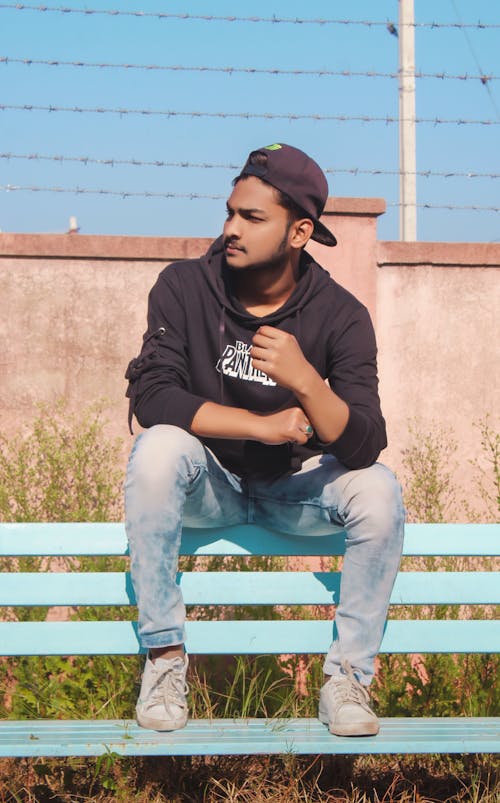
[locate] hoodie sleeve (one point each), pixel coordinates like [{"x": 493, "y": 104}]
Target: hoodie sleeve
[
  {"x": 159, "y": 381},
  {"x": 352, "y": 374}
]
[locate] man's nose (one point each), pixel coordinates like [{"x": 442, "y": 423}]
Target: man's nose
[{"x": 232, "y": 228}]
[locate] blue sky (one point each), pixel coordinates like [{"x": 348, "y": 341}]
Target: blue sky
[{"x": 341, "y": 147}]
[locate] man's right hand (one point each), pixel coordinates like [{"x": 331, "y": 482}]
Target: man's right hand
[
  {"x": 218, "y": 421},
  {"x": 287, "y": 426}
]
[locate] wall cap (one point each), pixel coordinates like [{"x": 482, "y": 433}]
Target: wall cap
[
  {"x": 433, "y": 253},
  {"x": 360, "y": 207},
  {"x": 102, "y": 247}
]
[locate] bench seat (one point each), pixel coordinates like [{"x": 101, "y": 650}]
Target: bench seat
[{"x": 246, "y": 737}]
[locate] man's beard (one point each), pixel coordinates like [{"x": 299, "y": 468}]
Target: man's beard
[{"x": 277, "y": 259}]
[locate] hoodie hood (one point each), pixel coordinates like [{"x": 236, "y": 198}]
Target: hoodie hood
[{"x": 218, "y": 276}]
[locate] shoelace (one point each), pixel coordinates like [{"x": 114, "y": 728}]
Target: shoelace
[
  {"x": 349, "y": 689},
  {"x": 170, "y": 686}
]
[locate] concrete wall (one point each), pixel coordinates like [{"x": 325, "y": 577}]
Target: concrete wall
[
  {"x": 438, "y": 334},
  {"x": 74, "y": 309},
  {"x": 75, "y": 313}
]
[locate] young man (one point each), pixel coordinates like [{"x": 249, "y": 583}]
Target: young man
[{"x": 242, "y": 427}]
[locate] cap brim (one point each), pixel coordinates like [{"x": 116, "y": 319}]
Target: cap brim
[{"x": 323, "y": 235}]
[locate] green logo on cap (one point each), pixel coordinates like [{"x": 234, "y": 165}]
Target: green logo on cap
[{"x": 275, "y": 147}]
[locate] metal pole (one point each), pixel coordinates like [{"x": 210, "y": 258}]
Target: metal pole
[{"x": 407, "y": 127}]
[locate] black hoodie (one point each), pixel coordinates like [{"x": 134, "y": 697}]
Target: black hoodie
[{"x": 196, "y": 349}]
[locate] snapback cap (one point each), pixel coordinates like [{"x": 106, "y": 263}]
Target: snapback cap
[{"x": 294, "y": 172}]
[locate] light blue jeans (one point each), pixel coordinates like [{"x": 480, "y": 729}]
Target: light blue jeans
[{"x": 173, "y": 479}]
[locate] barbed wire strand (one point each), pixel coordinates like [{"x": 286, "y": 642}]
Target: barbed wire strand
[
  {"x": 28, "y": 62},
  {"x": 113, "y": 162},
  {"x": 117, "y": 193},
  {"x": 274, "y": 20},
  {"x": 292, "y": 117},
  {"x": 195, "y": 196},
  {"x": 449, "y": 207}
]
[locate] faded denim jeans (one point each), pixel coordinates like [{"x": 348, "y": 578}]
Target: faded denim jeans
[{"x": 173, "y": 479}]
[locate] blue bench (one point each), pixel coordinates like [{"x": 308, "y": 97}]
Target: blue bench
[{"x": 227, "y": 588}]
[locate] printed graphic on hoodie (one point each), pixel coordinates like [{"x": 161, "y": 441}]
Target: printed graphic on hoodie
[{"x": 236, "y": 362}]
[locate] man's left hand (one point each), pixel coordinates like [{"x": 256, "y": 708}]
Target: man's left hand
[{"x": 278, "y": 355}]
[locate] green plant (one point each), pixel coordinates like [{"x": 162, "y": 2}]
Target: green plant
[
  {"x": 429, "y": 492},
  {"x": 63, "y": 469},
  {"x": 429, "y": 463},
  {"x": 81, "y": 687},
  {"x": 446, "y": 685},
  {"x": 487, "y": 468},
  {"x": 105, "y": 770}
]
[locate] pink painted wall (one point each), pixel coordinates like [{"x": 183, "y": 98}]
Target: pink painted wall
[
  {"x": 353, "y": 260},
  {"x": 76, "y": 313},
  {"x": 74, "y": 309},
  {"x": 438, "y": 333}
]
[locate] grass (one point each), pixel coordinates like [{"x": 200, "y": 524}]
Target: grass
[{"x": 250, "y": 779}]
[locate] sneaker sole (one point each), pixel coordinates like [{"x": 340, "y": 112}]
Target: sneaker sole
[
  {"x": 354, "y": 729},
  {"x": 160, "y": 724}
]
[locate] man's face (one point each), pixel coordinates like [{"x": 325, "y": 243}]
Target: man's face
[{"x": 256, "y": 228}]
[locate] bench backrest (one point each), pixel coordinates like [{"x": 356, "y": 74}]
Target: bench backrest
[{"x": 225, "y": 589}]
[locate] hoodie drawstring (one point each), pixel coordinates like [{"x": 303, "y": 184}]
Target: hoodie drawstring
[{"x": 222, "y": 330}]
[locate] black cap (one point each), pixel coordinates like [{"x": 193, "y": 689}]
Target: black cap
[{"x": 294, "y": 172}]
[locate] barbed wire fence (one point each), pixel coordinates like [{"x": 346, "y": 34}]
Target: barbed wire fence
[
  {"x": 123, "y": 112},
  {"x": 113, "y": 162},
  {"x": 274, "y": 20},
  {"x": 27, "y": 62},
  {"x": 223, "y": 115}
]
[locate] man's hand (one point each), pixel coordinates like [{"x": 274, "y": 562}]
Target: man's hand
[
  {"x": 278, "y": 355},
  {"x": 287, "y": 426},
  {"x": 218, "y": 421}
]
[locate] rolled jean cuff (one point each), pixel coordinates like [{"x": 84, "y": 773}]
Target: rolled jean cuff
[{"x": 167, "y": 638}]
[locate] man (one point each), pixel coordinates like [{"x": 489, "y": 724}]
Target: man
[{"x": 242, "y": 427}]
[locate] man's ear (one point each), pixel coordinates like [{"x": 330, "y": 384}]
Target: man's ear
[{"x": 301, "y": 232}]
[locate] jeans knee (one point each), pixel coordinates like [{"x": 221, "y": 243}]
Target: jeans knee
[
  {"x": 375, "y": 495},
  {"x": 160, "y": 454}
]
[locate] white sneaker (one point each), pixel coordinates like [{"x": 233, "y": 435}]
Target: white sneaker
[
  {"x": 162, "y": 702},
  {"x": 343, "y": 706}
]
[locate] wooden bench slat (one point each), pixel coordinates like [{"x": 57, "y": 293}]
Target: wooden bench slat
[
  {"x": 246, "y": 736},
  {"x": 110, "y": 539},
  {"x": 246, "y": 637},
  {"x": 246, "y": 588}
]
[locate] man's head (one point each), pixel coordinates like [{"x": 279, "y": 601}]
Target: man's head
[
  {"x": 299, "y": 180},
  {"x": 274, "y": 208}
]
